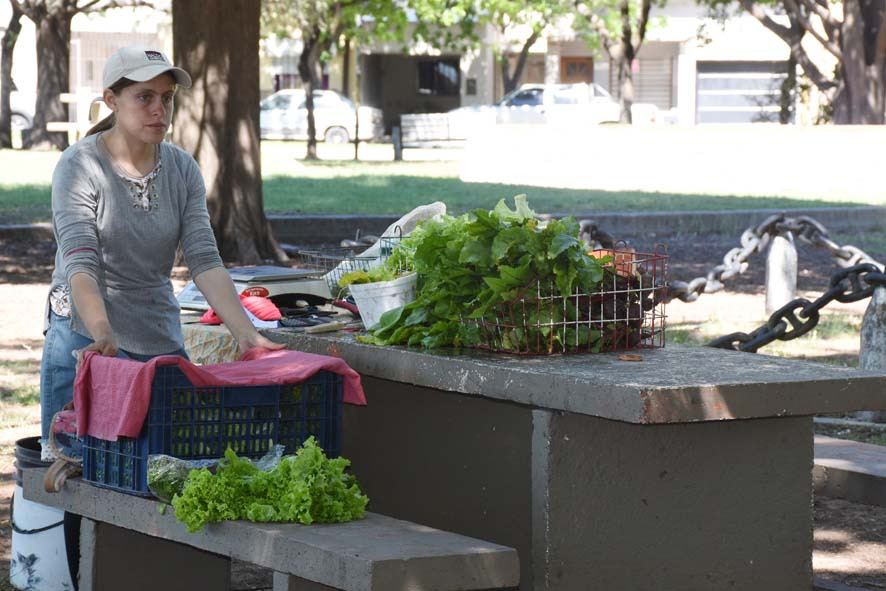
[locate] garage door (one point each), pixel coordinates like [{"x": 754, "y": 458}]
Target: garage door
[
  {"x": 739, "y": 92},
  {"x": 653, "y": 81}
]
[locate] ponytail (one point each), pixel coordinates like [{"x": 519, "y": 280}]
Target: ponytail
[{"x": 103, "y": 125}]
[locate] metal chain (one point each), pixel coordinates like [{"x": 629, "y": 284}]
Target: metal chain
[
  {"x": 753, "y": 239},
  {"x": 847, "y": 285}
]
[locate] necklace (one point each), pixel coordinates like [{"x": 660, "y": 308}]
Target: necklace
[{"x": 142, "y": 190}]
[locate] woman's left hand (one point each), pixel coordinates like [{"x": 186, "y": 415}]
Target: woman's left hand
[{"x": 254, "y": 339}]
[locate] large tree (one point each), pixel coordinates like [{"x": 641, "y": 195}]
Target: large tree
[
  {"x": 217, "y": 120},
  {"x": 321, "y": 24},
  {"x": 52, "y": 20},
  {"x": 510, "y": 19},
  {"x": 619, "y": 28},
  {"x": 7, "y": 46},
  {"x": 460, "y": 24},
  {"x": 852, "y": 32}
]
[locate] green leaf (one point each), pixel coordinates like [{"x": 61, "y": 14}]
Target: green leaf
[
  {"x": 560, "y": 243},
  {"x": 474, "y": 253}
]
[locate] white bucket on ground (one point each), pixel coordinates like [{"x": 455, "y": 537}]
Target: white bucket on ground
[
  {"x": 374, "y": 299},
  {"x": 39, "y": 558}
]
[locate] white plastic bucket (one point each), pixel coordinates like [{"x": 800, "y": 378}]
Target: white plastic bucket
[
  {"x": 39, "y": 560},
  {"x": 374, "y": 299}
]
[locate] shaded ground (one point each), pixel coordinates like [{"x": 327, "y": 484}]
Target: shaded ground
[{"x": 850, "y": 538}]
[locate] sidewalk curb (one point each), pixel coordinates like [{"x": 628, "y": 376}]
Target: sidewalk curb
[
  {"x": 323, "y": 229},
  {"x": 41, "y": 231},
  {"x": 849, "y": 470},
  {"x": 316, "y": 229}
]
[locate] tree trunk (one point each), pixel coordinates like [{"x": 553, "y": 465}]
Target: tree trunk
[
  {"x": 216, "y": 41},
  {"x": 308, "y": 69},
  {"x": 53, "y": 55},
  {"x": 509, "y": 81},
  {"x": 857, "y": 92},
  {"x": 787, "y": 93},
  {"x": 626, "y": 93},
  {"x": 6, "y": 83}
]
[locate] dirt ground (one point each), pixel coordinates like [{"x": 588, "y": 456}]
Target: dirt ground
[{"x": 849, "y": 538}]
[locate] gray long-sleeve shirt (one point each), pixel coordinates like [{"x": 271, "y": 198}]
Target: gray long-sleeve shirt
[{"x": 128, "y": 250}]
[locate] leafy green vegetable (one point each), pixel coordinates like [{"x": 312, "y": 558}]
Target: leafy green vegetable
[
  {"x": 305, "y": 488},
  {"x": 373, "y": 275},
  {"x": 468, "y": 266}
]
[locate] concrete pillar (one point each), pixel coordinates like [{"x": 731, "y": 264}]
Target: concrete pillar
[
  {"x": 781, "y": 272},
  {"x": 285, "y": 582},
  {"x": 552, "y": 64},
  {"x": 872, "y": 354},
  {"x": 113, "y": 558},
  {"x": 686, "y": 83}
]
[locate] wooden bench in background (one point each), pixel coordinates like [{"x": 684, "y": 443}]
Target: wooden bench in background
[{"x": 127, "y": 543}]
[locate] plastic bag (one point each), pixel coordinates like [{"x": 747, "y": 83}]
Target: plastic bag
[{"x": 167, "y": 475}]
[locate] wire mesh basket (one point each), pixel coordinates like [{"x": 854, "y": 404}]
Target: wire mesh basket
[
  {"x": 333, "y": 263},
  {"x": 626, "y": 311}
]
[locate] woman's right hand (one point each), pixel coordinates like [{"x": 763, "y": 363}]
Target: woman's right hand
[{"x": 106, "y": 346}]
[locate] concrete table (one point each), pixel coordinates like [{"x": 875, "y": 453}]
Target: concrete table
[{"x": 690, "y": 469}]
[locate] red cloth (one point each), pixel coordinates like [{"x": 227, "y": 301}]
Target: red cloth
[
  {"x": 112, "y": 395},
  {"x": 261, "y": 307}
]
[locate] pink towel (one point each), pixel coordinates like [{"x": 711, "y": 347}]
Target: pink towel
[{"x": 112, "y": 395}]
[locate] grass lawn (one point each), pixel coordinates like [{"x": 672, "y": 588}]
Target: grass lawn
[{"x": 377, "y": 185}]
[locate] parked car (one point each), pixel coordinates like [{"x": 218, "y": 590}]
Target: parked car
[
  {"x": 565, "y": 104},
  {"x": 22, "y": 110},
  {"x": 284, "y": 116}
]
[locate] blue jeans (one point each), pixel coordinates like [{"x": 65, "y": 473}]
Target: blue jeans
[{"x": 59, "y": 366}]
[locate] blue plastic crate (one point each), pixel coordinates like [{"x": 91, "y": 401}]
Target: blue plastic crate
[{"x": 201, "y": 422}]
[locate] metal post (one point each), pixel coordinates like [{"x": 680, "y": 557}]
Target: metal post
[
  {"x": 397, "y": 138},
  {"x": 872, "y": 355},
  {"x": 781, "y": 272}
]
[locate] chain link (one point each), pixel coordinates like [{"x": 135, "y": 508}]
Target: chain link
[
  {"x": 756, "y": 239},
  {"x": 847, "y": 285}
]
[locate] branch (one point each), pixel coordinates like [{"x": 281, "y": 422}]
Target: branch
[
  {"x": 597, "y": 23},
  {"x": 761, "y": 15},
  {"x": 90, "y": 6},
  {"x": 792, "y": 37},
  {"x": 820, "y": 8},
  {"x": 832, "y": 27},
  {"x": 626, "y": 32},
  {"x": 637, "y": 39},
  {"x": 792, "y": 8}
]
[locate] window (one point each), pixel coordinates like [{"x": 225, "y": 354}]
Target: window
[
  {"x": 530, "y": 96},
  {"x": 439, "y": 77},
  {"x": 570, "y": 95},
  {"x": 280, "y": 101}
]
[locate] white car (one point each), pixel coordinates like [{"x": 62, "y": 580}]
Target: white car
[
  {"x": 547, "y": 103},
  {"x": 22, "y": 110},
  {"x": 284, "y": 116}
]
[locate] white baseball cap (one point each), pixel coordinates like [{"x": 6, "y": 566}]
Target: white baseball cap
[{"x": 139, "y": 64}]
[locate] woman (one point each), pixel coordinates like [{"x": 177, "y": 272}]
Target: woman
[{"x": 123, "y": 200}]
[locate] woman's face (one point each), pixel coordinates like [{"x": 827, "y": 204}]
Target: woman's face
[{"x": 144, "y": 109}]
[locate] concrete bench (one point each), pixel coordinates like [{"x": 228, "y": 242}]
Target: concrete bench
[{"x": 127, "y": 543}]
